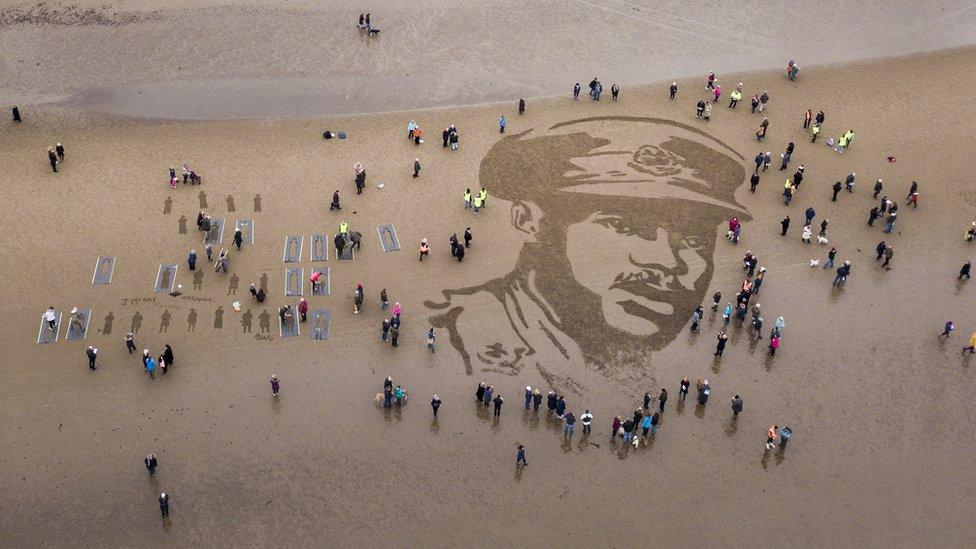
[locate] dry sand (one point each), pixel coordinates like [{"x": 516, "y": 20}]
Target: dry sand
[{"x": 883, "y": 448}]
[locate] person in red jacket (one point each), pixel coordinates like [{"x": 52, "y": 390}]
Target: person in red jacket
[{"x": 303, "y": 309}]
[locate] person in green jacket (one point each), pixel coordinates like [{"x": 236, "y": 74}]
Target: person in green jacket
[
  {"x": 483, "y": 195},
  {"x": 467, "y": 198},
  {"x": 477, "y": 203}
]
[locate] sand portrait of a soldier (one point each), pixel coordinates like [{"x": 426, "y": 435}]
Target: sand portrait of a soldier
[{"x": 623, "y": 215}]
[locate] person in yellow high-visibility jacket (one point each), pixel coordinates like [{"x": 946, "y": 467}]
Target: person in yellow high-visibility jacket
[
  {"x": 734, "y": 97},
  {"x": 483, "y": 195},
  {"x": 343, "y": 228}
]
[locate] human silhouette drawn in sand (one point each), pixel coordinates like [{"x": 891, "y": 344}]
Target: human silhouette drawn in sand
[
  {"x": 164, "y": 321},
  {"x": 136, "y": 323},
  {"x": 107, "y": 327},
  {"x": 246, "y": 320}
]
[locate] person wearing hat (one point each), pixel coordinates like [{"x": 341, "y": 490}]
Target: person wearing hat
[{"x": 614, "y": 221}]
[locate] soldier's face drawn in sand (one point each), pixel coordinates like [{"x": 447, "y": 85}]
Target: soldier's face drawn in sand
[
  {"x": 640, "y": 269},
  {"x": 623, "y": 216}
]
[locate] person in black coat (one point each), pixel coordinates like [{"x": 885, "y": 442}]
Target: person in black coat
[
  {"x": 335, "y": 202},
  {"x": 168, "y": 355},
  {"x": 836, "y": 188}
]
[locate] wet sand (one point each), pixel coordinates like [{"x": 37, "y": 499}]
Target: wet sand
[
  {"x": 883, "y": 448},
  {"x": 269, "y": 58}
]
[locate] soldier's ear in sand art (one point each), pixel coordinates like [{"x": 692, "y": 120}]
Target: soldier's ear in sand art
[{"x": 624, "y": 215}]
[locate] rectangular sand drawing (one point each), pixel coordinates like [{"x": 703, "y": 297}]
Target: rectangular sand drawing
[
  {"x": 104, "y": 269},
  {"x": 320, "y": 247},
  {"x": 165, "y": 278},
  {"x": 216, "y": 233},
  {"x": 293, "y": 249},
  {"x": 294, "y": 281},
  {"x": 321, "y": 319},
  {"x": 247, "y": 230},
  {"x": 388, "y": 238},
  {"x": 292, "y": 328},
  {"x": 46, "y": 334},
  {"x": 78, "y": 324},
  {"x": 322, "y": 288}
]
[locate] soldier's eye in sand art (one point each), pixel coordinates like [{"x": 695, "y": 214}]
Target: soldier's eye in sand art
[{"x": 624, "y": 214}]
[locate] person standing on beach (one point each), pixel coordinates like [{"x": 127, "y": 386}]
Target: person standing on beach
[
  {"x": 164, "y": 504},
  {"x": 720, "y": 346},
  {"x": 130, "y": 345},
  {"x": 710, "y": 83},
  {"x": 673, "y": 90},
  {"x": 92, "y": 353},
  {"x": 771, "y": 437},
  {"x": 753, "y": 182},
  {"x": 662, "y": 399},
  {"x": 784, "y": 436},
  {"x": 501, "y": 124},
  {"x": 889, "y": 252},
  {"x": 683, "y": 391},
  {"x": 536, "y": 400},
  {"x": 823, "y": 226},
  {"x": 498, "y": 400},
  {"x": 964, "y": 271},
  {"x": 614, "y": 91},
  {"x": 435, "y": 404},
  {"x": 275, "y": 385},
  {"x": 707, "y": 114},
  {"x": 586, "y": 419},
  {"x": 700, "y": 108},
  {"x": 734, "y": 98},
  {"x": 972, "y": 344},
  {"x": 836, "y": 189},
  {"x": 238, "y": 238},
  {"x": 151, "y": 464},
  {"x": 807, "y": 119},
  {"x": 521, "y": 106},
  {"x": 737, "y": 404},
  {"x": 53, "y": 159},
  {"x": 576, "y": 91},
  {"x": 431, "y": 336},
  {"x": 570, "y": 424},
  {"x": 704, "y": 390},
  {"x": 761, "y": 132},
  {"x": 520, "y": 456},
  {"x": 416, "y": 167},
  {"x": 785, "y": 223}
]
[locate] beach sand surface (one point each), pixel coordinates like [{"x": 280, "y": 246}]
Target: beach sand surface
[{"x": 883, "y": 445}]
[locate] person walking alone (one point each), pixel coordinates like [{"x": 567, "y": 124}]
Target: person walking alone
[
  {"x": 947, "y": 331},
  {"x": 275, "y": 386},
  {"x": 520, "y": 456},
  {"x": 501, "y": 124},
  {"x": 416, "y": 167},
  {"x": 92, "y": 353},
  {"x": 435, "y": 404}
]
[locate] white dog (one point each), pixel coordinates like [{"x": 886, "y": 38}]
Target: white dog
[
  {"x": 814, "y": 262},
  {"x": 821, "y": 240}
]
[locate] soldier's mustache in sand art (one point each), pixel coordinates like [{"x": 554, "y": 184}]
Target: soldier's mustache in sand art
[{"x": 624, "y": 214}]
